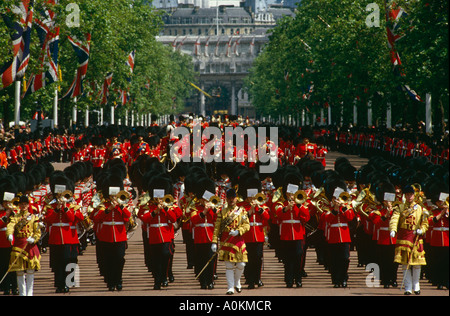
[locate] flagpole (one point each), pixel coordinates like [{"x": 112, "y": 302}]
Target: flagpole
[
  {"x": 74, "y": 113},
  {"x": 17, "y": 103},
  {"x": 55, "y": 109}
]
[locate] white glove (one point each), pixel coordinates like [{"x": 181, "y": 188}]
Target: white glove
[
  {"x": 214, "y": 247},
  {"x": 419, "y": 232},
  {"x": 392, "y": 234},
  {"x": 266, "y": 239},
  {"x": 10, "y": 238},
  {"x": 31, "y": 240},
  {"x": 234, "y": 233}
]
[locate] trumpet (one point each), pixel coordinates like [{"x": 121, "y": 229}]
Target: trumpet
[
  {"x": 260, "y": 199},
  {"x": 300, "y": 197}
]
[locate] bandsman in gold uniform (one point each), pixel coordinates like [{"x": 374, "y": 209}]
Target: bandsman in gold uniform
[
  {"x": 24, "y": 232},
  {"x": 409, "y": 223},
  {"x": 231, "y": 225}
]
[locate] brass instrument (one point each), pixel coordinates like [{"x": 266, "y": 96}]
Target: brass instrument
[
  {"x": 167, "y": 200},
  {"x": 144, "y": 199},
  {"x": 260, "y": 199},
  {"x": 215, "y": 201},
  {"x": 320, "y": 201},
  {"x": 278, "y": 196},
  {"x": 122, "y": 197},
  {"x": 66, "y": 196},
  {"x": 344, "y": 197},
  {"x": 300, "y": 197}
]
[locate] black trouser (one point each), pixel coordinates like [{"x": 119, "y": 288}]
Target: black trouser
[
  {"x": 292, "y": 259},
  {"x": 160, "y": 255},
  {"x": 203, "y": 253},
  {"x": 339, "y": 255},
  {"x": 189, "y": 242},
  {"x": 10, "y": 281},
  {"x": 60, "y": 257},
  {"x": 114, "y": 258},
  {"x": 253, "y": 268},
  {"x": 388, "y": 268}
]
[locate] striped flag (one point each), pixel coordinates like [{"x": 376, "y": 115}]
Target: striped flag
[
  {"x": 15, "y": 69},
  {"x": 49, "y": 38},
  {"x": 130, "y": 61},
  {"x": 394, "y": 15},
  {"x": 82, "y": 52},
  {"x": 105, "y": 88}
]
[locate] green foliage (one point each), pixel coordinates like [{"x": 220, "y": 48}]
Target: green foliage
[
  {"x": 328, "y": 44},
  {"x": 117, "y": 27}
]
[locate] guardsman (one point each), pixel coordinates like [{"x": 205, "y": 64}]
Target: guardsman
[
  {"x": 60, "y": 216},
  {"x": 23, "y": 232},
  {"x": 112, "y": 217},
  {"x": 203, "y": 220},
  {"x": 338, "y": 231},
  {"x": 159, "y": 214},
  {"x": 385, "y": 248},
  {"x": 8, "y": 209},
  {"x": 258, "y": 215},
  {"x": 409, "y": 223},
  {"x": 439, "y": 241}
]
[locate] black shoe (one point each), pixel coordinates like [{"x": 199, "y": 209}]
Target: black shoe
[
  {"x": 289, "y": 285},
  {"x": 7, "y": 292},
  {"x": 337, "y": 286},
  {"x": 394, "y": 284},
  {"x": 111, "y": 288},
  {"x": 298, "y": 284},
  {"x": 210, "y": 286},
  {"x": 119, "y": 287},
  {"x": 260, "y": 283},
  {"x": 157, "y": 287},
  {"x": 417, "y": 292},
  {"x": 407, "y": 293},
  {"x": 59, "y": 290},
  {"x": 165, "y": 284},
  {"x": 251, "y": 286},
  {"x": 238, "y": 289},
  {"x": 203, "y": 286},
  {"x": 344, "y": 284},
  {"x": 171, "y": 279}
]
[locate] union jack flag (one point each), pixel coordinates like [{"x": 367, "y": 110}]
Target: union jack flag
[
  {"x": 130, "y": 61},
  {"x": 105, "y": 89},
  {"x": 82, "y": 52},
  {"x": 394, "y": 15},
  {"x": 15, "y": 68},
  {"x": 49, "y": 38}
]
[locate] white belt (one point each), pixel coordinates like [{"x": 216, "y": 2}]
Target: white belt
[
  {"x": 255, "y": 224},
  {"x": 339, "y": 225},
  {"x": 384, "y": 228},
  {"x": 72, "y": 227},
  {"x": 61, "y": 225},
  {"x": 113, "y": 223},
  {"x": 204, "y": 225},
  {"x": 159, "y": 225},
  {"x": 441, "y": 229},
  {"x": 291, "y": 221},
  {"x": 3, "y": 229}
]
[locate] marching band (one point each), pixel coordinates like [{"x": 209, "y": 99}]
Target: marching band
[{"x": 392, "y": 210}]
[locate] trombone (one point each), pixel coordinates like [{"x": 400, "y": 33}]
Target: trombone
[
  {"x": 66, "y": 196},
  {"x": 215, "y": 201},
  {"x": 300, "y": 197},
  {"x": 168, "y": 200}
]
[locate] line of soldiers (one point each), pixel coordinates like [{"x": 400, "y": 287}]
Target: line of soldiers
[{"x": 228, "y": 211}]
